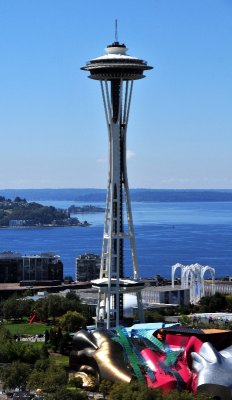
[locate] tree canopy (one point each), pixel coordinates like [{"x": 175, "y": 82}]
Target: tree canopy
[
  {"x": 140, "y": 391},
  {"x": 15, "y": 375},
  {"x": 72, "y": 321},
  {"x": 32, "y": 213},
  {"x": 65, "y": 394}
]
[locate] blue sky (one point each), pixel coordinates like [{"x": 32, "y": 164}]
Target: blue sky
[{"x": 52, "y": 123}]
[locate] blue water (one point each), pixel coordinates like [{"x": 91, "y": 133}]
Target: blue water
[{"x": 166, "y": 233}]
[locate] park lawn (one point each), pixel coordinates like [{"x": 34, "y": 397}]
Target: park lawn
[
  {"x": 59, "y": 360},
  {"x": 38, "y": 345},
  {"x": 25, "y": 328}
]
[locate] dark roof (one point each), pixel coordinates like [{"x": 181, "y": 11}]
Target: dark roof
[
  {"x": 184, "y": 330},
  {"x": 116, "y": 44}
]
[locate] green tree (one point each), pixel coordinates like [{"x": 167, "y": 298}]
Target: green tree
[
  {"x": 72, "y": 321},
  {"x": 24, "y": 307},
  {"x": 15, "y": 375},
  {"x": 217, "y": 302},
  {"x": 105, "y": 387},
  {"x": 214, "y": 303},
  {"x": 53, "y": 339},
  {"x": 175, "y": 395},
  {"x": 139, "y": 391},
  {"x": 55, "y": 305},
  {"x": 14, "y": 308},
  {"x": 41, "y": 309},
  {"x": 49, "y": 379},
  {"x": 76, "y": 381},
  {"x": 47, "y": 336},
  {"x": 64, "y": 343},
  {"x": 229, "y": 302},
  {"x": 65, "y": 394},
  {"x": 72, "y": 303},
  {"x": 11, "y": 351},
  {"x": 19, "y": 200},
  {"x": 42, "y": 364},
  {"x": 10, "y": 308},
  {"x": 55, "y": 376},
  {"x": 153, "y": 316},
  {"x": 36, "y": 379},
  {"x": 4, "y": 334},
  {"x": 185, "y": 320},
  {"x": 28, "y": 354},
  {"x": 44, "y": 353},
  {"x": 135, "y": 391}
]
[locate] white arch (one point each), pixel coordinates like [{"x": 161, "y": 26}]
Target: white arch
[
  {"x": 174, "y": 268},
  {"x": 199, "y": 283},
  {"x": 212, "y": 272},
  {"x": 189, "y": 280},
  {"x": 192, "y": 277}
]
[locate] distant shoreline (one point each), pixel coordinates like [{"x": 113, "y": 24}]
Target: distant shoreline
[
  {"x": 46, "y": 226},
  {"x": 19, "y": 213},
  {"x": 137, "y": 195}
]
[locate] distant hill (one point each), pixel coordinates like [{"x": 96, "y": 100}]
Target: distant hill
[
  {"x": 19, "y": 213},
  {"x": 139, "y": 195}
]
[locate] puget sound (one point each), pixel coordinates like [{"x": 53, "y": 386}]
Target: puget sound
[{"x": 166, "y": 233}]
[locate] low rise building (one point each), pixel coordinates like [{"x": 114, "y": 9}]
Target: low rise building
[{"x": 165, "y": 295}]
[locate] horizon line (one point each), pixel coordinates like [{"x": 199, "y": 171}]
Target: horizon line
[{"x": 102, "y": 188}]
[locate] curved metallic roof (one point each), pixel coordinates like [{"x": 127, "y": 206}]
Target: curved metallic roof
[{"x": 116, "y": 61}]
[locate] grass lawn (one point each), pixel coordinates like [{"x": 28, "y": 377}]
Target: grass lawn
[
  {"x": 25, "y": 328},
  {"x": 59, "y": 360},
  {"x": 38, "y": 345}
]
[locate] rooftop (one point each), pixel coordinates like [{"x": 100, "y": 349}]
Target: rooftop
[{"x": 116, "y": 64}]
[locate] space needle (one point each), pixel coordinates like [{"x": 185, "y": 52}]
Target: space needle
[{"x": 116, "y": 71}]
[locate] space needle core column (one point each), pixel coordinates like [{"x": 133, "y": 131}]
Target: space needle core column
[{"x": 116, "y": 72}]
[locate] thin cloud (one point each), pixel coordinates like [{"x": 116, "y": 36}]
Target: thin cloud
[
  {"x": 130, "y": 154},
  {"x": 101, "y": 160}
]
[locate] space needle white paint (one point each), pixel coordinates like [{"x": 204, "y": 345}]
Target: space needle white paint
[{"x": 116, "y": 72}]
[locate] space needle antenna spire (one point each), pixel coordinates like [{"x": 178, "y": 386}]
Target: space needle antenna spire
[
  {"x": 117, "y": 72},
  {"x": 116, "y": 31}
]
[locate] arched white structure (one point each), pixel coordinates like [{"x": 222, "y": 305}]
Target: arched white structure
[
  {"x": 212, "y": 272},
  {"x": 174, "y": 268},
  {"x": 192, "y": 277}
]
